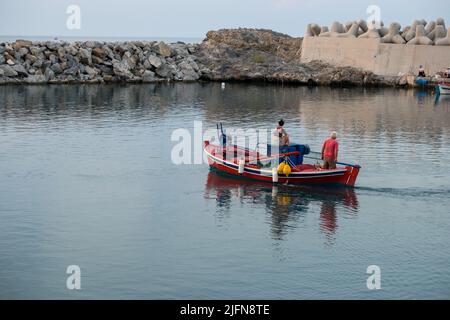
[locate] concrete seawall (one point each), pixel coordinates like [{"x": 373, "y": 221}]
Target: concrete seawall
[{"x": 380, "y": 58}]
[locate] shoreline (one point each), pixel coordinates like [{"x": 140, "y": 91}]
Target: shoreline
[{"x": 228, "y": 55}]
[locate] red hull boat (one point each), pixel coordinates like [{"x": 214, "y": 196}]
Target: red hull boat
[{"x": 243, "y": 162}]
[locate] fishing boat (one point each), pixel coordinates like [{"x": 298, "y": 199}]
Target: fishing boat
[
  {"x": 287, "y": 167},
  {"x": 444, "y": 88}
]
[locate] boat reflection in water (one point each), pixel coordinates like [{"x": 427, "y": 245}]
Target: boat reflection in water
[{"x": 287, "y": 205}]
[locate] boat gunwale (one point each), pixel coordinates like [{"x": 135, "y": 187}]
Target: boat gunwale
[{"x": 267, "y": 172}]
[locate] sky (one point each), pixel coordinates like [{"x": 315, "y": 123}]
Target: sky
[{"x": 193, "y": 18}]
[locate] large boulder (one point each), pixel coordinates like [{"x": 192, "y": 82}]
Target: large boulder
[
  {"x": 20, "y": 44},
  {"x": 97, "y": 60},
  {"x": 71, "y": 71},
  {"x": 232, "y": 43},
  {"x": 72, "y": 49},
  {"x": 108, "y": 52},
  {"x": 179, "y": 50},
  {"x": 53, "y": 58},
  {"x": 122, "y": 70},
  {"x": 38, "y": 78},
  {"x": 30, "y": 58},
  {"x": 35, "y": 50},
  {"x": 188, "y": 71},
  {"x": 8, "y": 71},
  {"x": 163, "y": 49},
  {"x": 164, "y": 71},
  {"x": 148, "y": 76},
  {"x": 49, "y": 74},
  {"x": 154, "y": 61},
  {"x": 105, "y": 70},
  {"x": 38, "y": 63},
  {"x": 57, "y": 68},
  {"x": 129, "y": 59},
  {"x": 85, "y": 56},
  {"x": 98, "y": 52},
  {"x": 22, "y": 52},
  {"x": 20, "y": 69},
  {"x": 52, "y": 45},
  {"x": 91, "y": 71},
  {"x": 61, "y": 53}
]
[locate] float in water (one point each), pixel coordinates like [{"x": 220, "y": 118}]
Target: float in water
[{"x": 287, "y": 167}]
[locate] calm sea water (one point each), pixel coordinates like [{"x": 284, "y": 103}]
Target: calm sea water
[{"x": 87, "y": 179}]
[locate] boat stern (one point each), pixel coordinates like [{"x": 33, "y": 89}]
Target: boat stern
[{"x": 352, "y": 174}]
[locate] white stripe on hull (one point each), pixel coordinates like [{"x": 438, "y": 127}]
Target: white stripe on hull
[{"x": 268, "y": 172}]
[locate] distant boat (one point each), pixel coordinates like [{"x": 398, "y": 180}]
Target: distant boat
[{"x": 444, "y": 88}]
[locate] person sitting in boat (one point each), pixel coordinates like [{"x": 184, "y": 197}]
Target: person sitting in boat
[
  {"x": 330, "y": 152},
  {"x": 280, "y": 136},
  {"x": 421, "y": 71}
]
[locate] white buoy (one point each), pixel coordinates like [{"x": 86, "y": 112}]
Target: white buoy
[
  {"x": 241, "y": 166},
  {"x": 223, "y": 85},
  {"x": 274, "y": 174}
]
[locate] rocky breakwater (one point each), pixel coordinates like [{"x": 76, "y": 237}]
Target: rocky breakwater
[
  {"x": 94, "y": 62},
  {"x": 264, "y": 55},
  {"x": 224, "y": 55}
]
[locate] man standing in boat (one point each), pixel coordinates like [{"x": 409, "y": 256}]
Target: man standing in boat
[
  {"x": 280, "y": 137},
  {"x": 330, "y": 152}
]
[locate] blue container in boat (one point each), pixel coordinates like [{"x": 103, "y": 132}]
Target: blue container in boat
[{"x": 421, "y": 81}]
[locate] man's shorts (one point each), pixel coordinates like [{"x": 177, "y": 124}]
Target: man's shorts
[{"x": 329, "y": 163}]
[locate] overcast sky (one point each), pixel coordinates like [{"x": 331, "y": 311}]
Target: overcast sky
[{"x": 193, "y": 18}]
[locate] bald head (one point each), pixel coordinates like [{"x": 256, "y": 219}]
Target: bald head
[{"x": 333, "y": 135}]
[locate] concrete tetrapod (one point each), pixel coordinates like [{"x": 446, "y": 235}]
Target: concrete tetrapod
[
  {"x": 351, "y": 33},
  {"x": 444, "y": 41},
  {"x": 412, "y": 31},
  {"x": 393, "y": 35},
  {"x": 420, "y": 38},
  {"x": 336, "y": 28},
  {"x": 371, "y": 34},
  {"x": 438, "y": 33},
  {"x": 312, "y": 30}
]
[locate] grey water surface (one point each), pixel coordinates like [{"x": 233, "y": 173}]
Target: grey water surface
[{"x": 86, "y": 178}]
